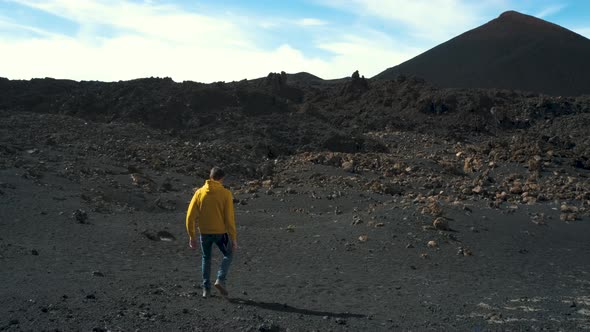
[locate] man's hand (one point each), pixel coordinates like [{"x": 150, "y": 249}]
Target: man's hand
[
  {"x": 192, "y": 243},
  {"x": 234, "y": 245}
]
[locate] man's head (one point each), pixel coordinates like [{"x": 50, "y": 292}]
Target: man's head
[{"x": 217, "y": 174}]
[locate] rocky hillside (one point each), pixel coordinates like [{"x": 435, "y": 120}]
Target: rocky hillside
[{"x": 514, "y": 51}]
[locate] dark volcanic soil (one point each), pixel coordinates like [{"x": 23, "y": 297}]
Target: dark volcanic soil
[
  {"x": 513, "y": 51},
  {"x": 339, "y": 188}
]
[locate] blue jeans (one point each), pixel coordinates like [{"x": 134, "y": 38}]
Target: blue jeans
[{"x": 224, "y": 244}]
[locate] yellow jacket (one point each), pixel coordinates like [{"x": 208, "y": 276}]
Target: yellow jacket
[{"x": 212, "y": 210}]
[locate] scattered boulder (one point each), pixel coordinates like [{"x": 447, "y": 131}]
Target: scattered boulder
[
  {"x": 441, "y": 224},
  {"x": 535, "y": 164},
  {"x": 348, "y": 166},
  {"x": 340, "y": 321},
  {"x": 516, "y": 188},
  {"x": 356, "y": 220},
  {"x": 434, "y": 207},
  {"x": 166, "y": 236},
  {"x": 564, "y": 208},
  {"x": 477, "y": 189},
  {"x": 80, "y": 216},
  {"x": 165, "y": 204},
  {"x": 269, "y": 326},
  {"x": 159, "y": 236},
  {"x": 166, "y": 186},
  {"x": 464, "y": 252},
  {"x": 385, "y": 188},
  {"x": 143, "y": 181},
  {"x": 568, "y": 216}
]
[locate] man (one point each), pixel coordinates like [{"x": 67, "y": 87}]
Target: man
[{"x": 212, "y": 210}]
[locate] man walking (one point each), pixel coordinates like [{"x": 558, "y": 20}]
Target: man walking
[{"x": 212, "y": 211}]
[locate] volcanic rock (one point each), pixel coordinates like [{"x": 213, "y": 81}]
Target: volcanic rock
[
  {"x": 80, "y": 216},
  {"x": 348, "y": 166},
  {"x": 440, "y": 224},
  {"x": 356, "y": 86}
]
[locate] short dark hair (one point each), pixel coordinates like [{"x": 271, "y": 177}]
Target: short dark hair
[{"x": 216, "y": 173}]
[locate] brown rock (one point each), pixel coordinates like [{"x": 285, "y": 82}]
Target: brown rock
[
  {"x": 348, "y": 166},
  {"x": 502, "y": 196},
  {"x": 568, "y": 208},
  {"x": 535, "y": 164},
  {"x": 477, "y": 190},
  {"x": 141, "y": 180},
  {"x": 434, "y": 208},
  {"x": 464, "y": 252},
  {"x": 568, "y": 217},
  {"x": 440, "y": 224},
  {"x": 467, "y": 166},
  {"x": 516, "y": 188}
]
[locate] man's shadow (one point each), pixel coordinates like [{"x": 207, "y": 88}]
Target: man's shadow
[{"x": 288, "y": 308}]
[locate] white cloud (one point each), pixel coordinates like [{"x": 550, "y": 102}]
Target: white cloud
[
  {"x": 153, "y": 21},
  {"x": 311, "y": 22},
  {"x": 267, "y": 24},
  {"x": 370, "y": 54},
  {"x": 154, "y": 40},
  {"x": 129, "y": 57},
  {"x": 551, "y": 10},
  {"x": 10, "y": 25}
]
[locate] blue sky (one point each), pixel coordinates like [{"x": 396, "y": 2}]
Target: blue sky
[{"x": 228, "y": 40}]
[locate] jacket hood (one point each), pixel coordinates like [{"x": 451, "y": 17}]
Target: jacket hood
[{"x": 211, "y": 185}]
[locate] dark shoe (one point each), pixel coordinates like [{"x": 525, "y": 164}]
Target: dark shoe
[
  {"x": 206, "y": 293},
  {"x": 220, "y": 285}
]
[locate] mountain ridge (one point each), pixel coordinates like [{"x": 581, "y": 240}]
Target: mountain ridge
[{"x": 514, "y": 51}]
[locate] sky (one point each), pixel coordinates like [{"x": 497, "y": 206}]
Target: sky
[{"x": 231, "y": 40}]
